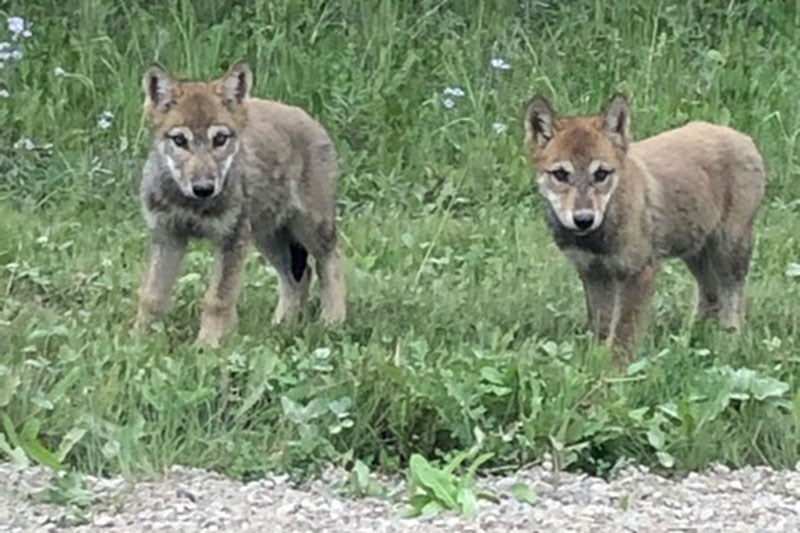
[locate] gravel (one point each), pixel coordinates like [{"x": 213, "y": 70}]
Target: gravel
[{"x": 752, "y": 499}]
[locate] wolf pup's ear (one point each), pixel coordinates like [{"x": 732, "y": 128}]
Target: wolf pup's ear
[
  {"x": 617, "y": 120},
  {"x": 158, "y": 85},
  {"x": 539, "y": 121},
  {"x": 237, "y": 82}
]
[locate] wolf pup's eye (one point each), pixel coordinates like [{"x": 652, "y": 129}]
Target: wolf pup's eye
[
  {"x": 601, "y": 174},
  {"x": 180, "y": 140},
  {"x": 560, "y": 175},
  {"x": 219, "y": 139}
]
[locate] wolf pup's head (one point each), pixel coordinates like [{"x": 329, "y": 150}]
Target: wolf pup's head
[
  {"x": 578, "y": 160},
  {"x": 196, "y": 126}
]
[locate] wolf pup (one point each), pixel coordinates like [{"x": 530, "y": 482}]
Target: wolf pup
[
  {"x": 236, "y": 169},
  {"x": 616, "y": 208}
]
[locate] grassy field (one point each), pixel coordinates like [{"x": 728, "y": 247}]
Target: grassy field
[{"x": 465, "y": 326}]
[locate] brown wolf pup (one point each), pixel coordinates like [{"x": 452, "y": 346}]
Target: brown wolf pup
[
  {"x": 236, "y": 169},
  {"x": 617, "y": 207}
]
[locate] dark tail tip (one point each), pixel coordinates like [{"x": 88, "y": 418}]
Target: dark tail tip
[{"x": 299, "y": 260}]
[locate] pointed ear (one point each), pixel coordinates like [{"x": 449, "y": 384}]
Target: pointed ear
[
  {"x": 158, "y": 85},
  {"x": 617, "y": 119},
  {"x": 237, "y": 82},
  {"x": 539, "y": 121}
]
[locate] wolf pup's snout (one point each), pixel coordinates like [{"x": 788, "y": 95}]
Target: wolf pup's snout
[
  {"x": 203, "y": 189},
  {"x": 584, "y": 219}
]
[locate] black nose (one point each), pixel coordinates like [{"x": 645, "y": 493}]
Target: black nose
[
  {"x": 583, "y": 219},
  {"x": 203, "y": 189}
]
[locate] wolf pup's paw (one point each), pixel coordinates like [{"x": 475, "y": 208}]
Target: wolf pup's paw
[
  {"x": 334, "y": 316},
  {"x": 143, "y": 322},
  {"x": 208, "y": 338},
  {"x": 213, "y": 328},
  {"x": 285, "y": 315}
]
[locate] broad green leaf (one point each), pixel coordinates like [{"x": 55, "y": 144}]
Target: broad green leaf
[
  {"x": 341, "y": 407},
  {"x": 468, "y": 502},
  {"x": 666, "y": 460},
  {"x": 625, "y": 502},
  {"x": 523, "y": 493},
  {"x": 9, "y": 382},
  {"x": 255, "y": 394},
  {"x": 637, "y": 415},
  {"x": 670, "y": 409},
  {"x": 656, "y": 437},
  {"x": 430, "y": 509},
  {"x": 456, "y": 461},
  {"x": 34, "y": 448},
  {"x": 441, "y": 484},
  {"x": 362, "y": 474},
  {"x": 410, "y": 512},
  {"x": 16, "y": 454},
  {"x": 37, "y": 451},
  {"x": 765, "y": 387},
  {"x": 292, "y": 410},
  {"x": 637, "y": 366},
  {"x": 473, "y": 468},
  {"x": 30, "y": 429},
  {"x": 69, "y": 440},
  {"x": 492, "y": 375},
  {"x": 66, "y": 488},
  {"x": 8, "y": 428}
]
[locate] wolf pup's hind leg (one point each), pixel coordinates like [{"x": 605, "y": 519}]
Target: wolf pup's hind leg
[{"x": 290, "y": 260}]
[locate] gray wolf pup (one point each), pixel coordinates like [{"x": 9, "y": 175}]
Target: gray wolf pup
[
  {"x": 616, "y": 208},
  {"x": 236, "y": 169}
]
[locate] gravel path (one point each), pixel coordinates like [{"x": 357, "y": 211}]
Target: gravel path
[{"x": 750, "y": 499}]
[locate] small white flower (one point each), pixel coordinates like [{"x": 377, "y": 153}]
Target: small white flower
[
  {"x": 104, "y": 122},
  {"x": 448, "y": 103},
  {"x": 5, "y": 51},
  {"x": 499, "y": 127},
  {"x": 4, "y": 93},
  {"x": 59, "y": 72},
  {"x": 9, "y": 52},
  {"x": 16, "y": 25},
  {"x": 500, "y": 64},
  {"x": 25, "y": 143},
  {"x": 453, "y": 91}
]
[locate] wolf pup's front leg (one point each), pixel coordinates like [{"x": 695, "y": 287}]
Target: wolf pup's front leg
[
  {"x": 635, "y": 294},
  {"x": 600, "y": 291},
  {"x": 219, "y": 306},
  {"x": 164, "y": 263}
]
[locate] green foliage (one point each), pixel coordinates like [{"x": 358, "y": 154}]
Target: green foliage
[
  {"x": 524, "y": 493},
  {"x": 462, "y": 315},
  {"x": 361, "y": 483},
  {"x": 433, "y": 489}
]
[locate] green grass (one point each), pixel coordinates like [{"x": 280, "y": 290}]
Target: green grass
[{"x": 463, "y": 315}]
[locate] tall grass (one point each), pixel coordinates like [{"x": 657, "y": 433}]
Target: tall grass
[{"x": 463, "y": 314}]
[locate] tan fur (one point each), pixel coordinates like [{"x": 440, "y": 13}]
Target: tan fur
[
  {"x": 691, "y": 192},
  {"x": 237, "y": 169}
]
